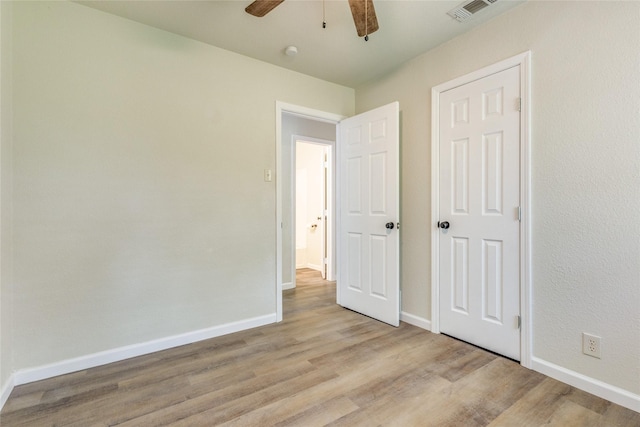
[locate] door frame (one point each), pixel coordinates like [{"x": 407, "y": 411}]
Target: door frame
[
  {"x": 307, "y": 113},
  {"x": 328, "y": 242},
  {"x": 522, "y": 60}
]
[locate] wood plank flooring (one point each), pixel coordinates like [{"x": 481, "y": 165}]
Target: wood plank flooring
[{"x": 323, "y": 365}]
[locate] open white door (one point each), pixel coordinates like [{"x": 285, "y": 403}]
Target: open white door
[{"x": 368, "y": 235}]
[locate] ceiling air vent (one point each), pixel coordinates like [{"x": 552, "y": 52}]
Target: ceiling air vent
[{"x": 468, "y": 8}]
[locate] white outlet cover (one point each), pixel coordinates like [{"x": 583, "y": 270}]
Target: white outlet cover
[{"x": 591, "y": 345}]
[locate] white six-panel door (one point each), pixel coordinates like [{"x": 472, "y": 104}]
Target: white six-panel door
[
  {"x": 479, "y": 202},
  {"x": 368, "y": 248}
]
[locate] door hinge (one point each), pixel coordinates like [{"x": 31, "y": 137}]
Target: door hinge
[
  {"x": 519, "y": 104},
  {"x": 519, "y": 213},
  {"x": 519, "y": 321}
]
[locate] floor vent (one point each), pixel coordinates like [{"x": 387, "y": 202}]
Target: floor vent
[{"x": 468, "y": 8}]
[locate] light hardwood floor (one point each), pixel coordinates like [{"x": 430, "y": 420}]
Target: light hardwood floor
[{"x": 321, "y": 365}]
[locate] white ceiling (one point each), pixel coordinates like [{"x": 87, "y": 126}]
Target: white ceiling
[{"x": 335, "y": 54}]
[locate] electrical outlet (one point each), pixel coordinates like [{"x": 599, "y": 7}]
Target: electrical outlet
[{"x": 591, "y": 345}]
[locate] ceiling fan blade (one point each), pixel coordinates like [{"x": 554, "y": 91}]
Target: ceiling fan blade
[
  {"x": 367, "y": 25},
  {"x": 260, "y": 8}
]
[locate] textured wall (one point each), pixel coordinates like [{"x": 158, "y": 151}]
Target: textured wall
[
  {"x": 585, "y": 163},
  {"x": 138, "y": 181},
  {"x": 6, "y": 285}
]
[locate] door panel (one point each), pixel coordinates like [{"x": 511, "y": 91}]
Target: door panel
[
  {"x": 479, "y": 197},
  {"x": 492, "y": 281},
  {"x": 354, "y": 185},
  {"x": 460, "y": 279},
  {"x": 354, "y": 262},
  {"x": 368, "y": 251},
  {"x": 460, "y": 174}
]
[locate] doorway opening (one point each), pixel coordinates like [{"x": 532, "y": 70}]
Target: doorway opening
[
  {"x": 295, "y": 123},
  {"x": 313, "y": 197},
  {"x": 366, "y": 210}
]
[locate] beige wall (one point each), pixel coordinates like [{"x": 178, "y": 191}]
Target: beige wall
[
  {"x": 140, "y": 205},
  {"x": 6, "y": 288},
  {"x": 585, "y": 163}
]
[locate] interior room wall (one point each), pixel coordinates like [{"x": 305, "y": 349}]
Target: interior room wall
[
  {"x": 585, "y": 163},
  {"x": 292, "y": 126},
  {"x": 6, "y": 288},
  {"x": 141, "y": 210}
]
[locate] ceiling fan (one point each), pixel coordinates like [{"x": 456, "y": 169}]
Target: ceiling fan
[{"x": 364, "y": 14}]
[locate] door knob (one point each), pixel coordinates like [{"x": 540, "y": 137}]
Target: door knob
[
  {"x": 389, "y": 225},
  {"x": 444, "y": 224}
]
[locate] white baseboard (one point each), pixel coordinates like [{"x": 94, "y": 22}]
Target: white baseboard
[
  {"x": 314, "y": 267},
  {"x": 590, "y": 385},
  {"x": 102, "y": 358},
  {"x": 6, "y": 390},
  {"x": 411, "y": 319},
  {"x": 288, "y": 285}
]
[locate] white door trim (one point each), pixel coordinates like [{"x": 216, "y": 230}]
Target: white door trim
[
  {"x": 522, "y": 60},
  {"x": 309, "y": 113}
]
